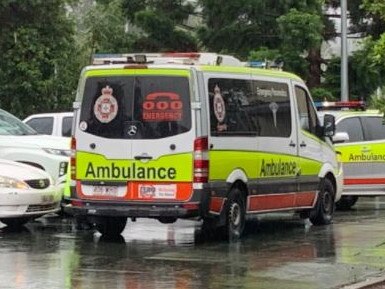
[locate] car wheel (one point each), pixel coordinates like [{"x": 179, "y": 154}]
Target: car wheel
[
  {"x": 110, "y": 226},
  {"x": 235, "y": 215},
  {"x": 15, "y": 222},
  {"x": 322, "y": 213},
  {"x": 346, "y": 202}
]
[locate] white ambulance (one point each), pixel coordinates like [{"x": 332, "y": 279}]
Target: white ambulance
[{"x": 181, "y": 135}]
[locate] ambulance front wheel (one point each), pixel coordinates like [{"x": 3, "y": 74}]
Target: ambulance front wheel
[
  {"x": 322, "y": 213},
  {"x": 235, "y": 215},
  {"x": 110, "y": 226}
]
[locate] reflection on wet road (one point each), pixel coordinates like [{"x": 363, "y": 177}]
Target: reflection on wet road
[{"x": 278, "y": 251}]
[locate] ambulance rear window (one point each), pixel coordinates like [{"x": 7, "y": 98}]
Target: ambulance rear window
[{"x": 140, "y": 107}]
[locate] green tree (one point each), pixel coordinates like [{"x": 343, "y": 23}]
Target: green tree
[
  {"x": 161, "y": 25},
  {"x": 238, "y": 27},
  {"x": 295, "y": 28},
  {"x": 38, "y": 57},
  {"x": 308, "y": 27},
  {"x": 366, "y": 70},
  {"x": 102, "y": 29}
]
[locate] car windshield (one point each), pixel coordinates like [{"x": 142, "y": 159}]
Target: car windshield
[{"x": 11, "y": 125}]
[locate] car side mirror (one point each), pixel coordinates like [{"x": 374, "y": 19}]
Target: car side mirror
[
  {"x": 340, "y": 137},
  {"x": 329, "y": 126}
]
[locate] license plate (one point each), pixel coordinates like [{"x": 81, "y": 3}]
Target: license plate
[
  {"x": 111, "y": 191},
  {"x": 47, "y": 199}
]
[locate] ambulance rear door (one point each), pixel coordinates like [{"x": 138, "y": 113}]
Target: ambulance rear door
[{"x": 135, "y": 135}]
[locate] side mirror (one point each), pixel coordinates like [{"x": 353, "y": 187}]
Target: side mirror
[
  {"x": 329, "y": 127},
  {"x": 340, "y": 137}
]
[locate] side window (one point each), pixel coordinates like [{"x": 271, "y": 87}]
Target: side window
[
  {"x": 43, "y": 125},
  {"x": 307, "y": 115},
  {"x": 374, "y": 127},
  {"x": 352, "y": 126},
  {"x": 271, "y": 112},
  {"x": 230, "y": 106},
  {"x": 66, "y": 126}
]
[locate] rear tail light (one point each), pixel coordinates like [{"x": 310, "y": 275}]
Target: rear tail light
[
  {"x": 73, "y": 158},
  {"x": 201, "y": 160}
]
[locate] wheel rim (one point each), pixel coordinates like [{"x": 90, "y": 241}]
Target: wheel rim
[
  {"x": 235, "y": 214},
  {"x": 327, "y": 202}
]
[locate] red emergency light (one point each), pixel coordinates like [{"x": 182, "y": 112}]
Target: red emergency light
[{"x": 352, "y": 104}]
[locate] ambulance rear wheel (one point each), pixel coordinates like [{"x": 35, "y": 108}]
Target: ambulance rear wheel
[
  {"x": 346, "y": 202},
  {"x": 110, "y": 226},
  {"x": 322, "y": 213},
  {"x": 235, "y": 215}
]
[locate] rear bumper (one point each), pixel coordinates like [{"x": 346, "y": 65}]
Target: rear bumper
[{"x": 130, "y": 209}]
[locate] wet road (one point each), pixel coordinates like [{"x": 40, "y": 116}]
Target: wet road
[{"x": 278, "y": 251}]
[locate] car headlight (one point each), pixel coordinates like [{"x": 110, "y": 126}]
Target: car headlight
[
  {"x": 6, "y": 182},
  {"x": 58, "y": 152}
]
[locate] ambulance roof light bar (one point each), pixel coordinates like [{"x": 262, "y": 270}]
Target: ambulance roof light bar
[
  {"x": 187, "y": 58},
  {"x": 341, "y": 105}
]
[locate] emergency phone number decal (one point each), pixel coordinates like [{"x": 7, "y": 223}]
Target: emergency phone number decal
[{"x": 162, "y": 106}]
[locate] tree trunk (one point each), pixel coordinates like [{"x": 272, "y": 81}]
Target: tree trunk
[{"x": 315, "y": 72}]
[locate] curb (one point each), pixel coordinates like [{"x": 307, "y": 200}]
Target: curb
[{"x": 363, "y": 284}]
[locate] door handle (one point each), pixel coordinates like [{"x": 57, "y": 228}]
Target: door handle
[
  {"x": 143, "y": 157},
  {"x": 302, "y": 145},
  {"x": 292, "y": 144}
]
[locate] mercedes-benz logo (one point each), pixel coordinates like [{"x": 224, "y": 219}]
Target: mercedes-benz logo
[
  {"x": 41, "y": 183},
  {"x": 132, "y": 130}
]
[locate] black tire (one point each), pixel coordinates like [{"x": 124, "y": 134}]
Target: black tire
[
  {"x": 322, "y": 213},
  {"x": 235, "y": 215},
  {"x": 167, "y": 220},
  {"x": 346, "y": 202},
  {"x": 82, "y": 223},
  {"x": 110, "y": 226},
  {"x": 15, "y": 222}
]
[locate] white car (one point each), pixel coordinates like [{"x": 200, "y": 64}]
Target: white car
[
  {"x": 55, "y": 123},
  {"x": 26, "y": 193},
  {"x": 19, "y": 142}
]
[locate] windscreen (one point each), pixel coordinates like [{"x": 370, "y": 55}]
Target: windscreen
[
  {"x": 11, "y": 125},
  {"x": 139, "y": 107}
]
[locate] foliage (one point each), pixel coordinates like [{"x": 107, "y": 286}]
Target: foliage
[
  {"x": 365, "y": 75},
  {"x": 37, "y": 60},
  {"x": 375, "y": 6},
  {"x": 238, "y": 26},
  {"x": 378, "y": 103},
  {"x": 41, "y": 60},
  {"x": 104, "y": 29},
  {"x": 299, "y": 25},
  {"x": 307, "y": 27},
  {"x": 322, "y": 94},
  {"x": 264, "y": 54},
  {"x": 293, "y": 28},
  {"x": 161, "y": 24}
]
